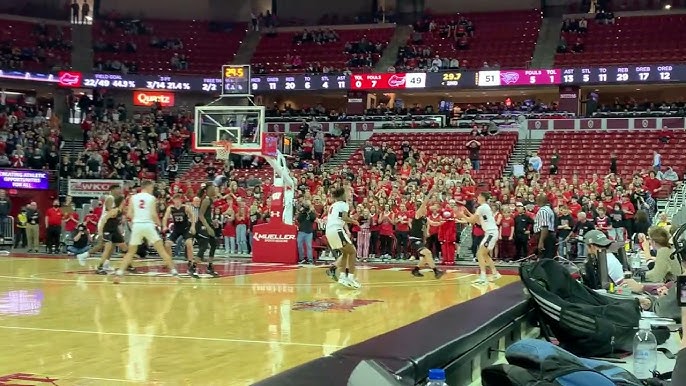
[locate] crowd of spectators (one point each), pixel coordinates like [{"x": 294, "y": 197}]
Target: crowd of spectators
[
  {"x": 30, "y": 138},
  {"x": 48, "y": 48},
  {"x": 416, "y": 55},
  {"x": 362, "y": 53},
  {"x": 574, "y": 30},
  {"x": 146, "y": 146}
]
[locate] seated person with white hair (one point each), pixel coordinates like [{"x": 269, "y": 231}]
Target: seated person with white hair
[
  {"x": 666, "y": 268},
  {"x": 596, "y": 242}
]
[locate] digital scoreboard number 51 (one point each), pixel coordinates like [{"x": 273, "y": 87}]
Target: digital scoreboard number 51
[
  {"x": 415, "y": 80},
  {"x": 489, "y": 78}
]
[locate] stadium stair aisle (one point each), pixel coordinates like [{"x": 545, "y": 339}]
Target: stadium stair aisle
[
  {"x": 82, "y": 51},
  {"x": 390, "y": 54},
  {"x": 343, "y": 155},
  {"x": 519, "y": 153},
  {"x": 247, "y": 47},
  {"x": 546, "y": 45}
]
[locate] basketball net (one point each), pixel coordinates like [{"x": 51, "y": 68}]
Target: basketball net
[{"x": 223, "y": 149}]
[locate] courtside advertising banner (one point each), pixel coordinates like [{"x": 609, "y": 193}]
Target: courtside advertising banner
[
  {"x": 24, "y": 179},
  {"x": 91, "y": 188}
]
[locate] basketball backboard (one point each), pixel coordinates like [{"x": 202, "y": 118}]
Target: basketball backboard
[{"x": 243, "y": 126}]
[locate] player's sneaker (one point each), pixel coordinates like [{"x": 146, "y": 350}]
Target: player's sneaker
[
  {"x": 331, "y": 272},
  {"x": 343, "y": 280},
  {"x": 210, "y": 271},
  {"x": 131, "y": 269},
  {"x": 416, "y": 272},
  {"x": 353, "y": 282},
  {"x": 81, "y": 257},
  {"x": 481, "y": 280},
  {"x": 496, "y": 276},
  {"x": 438, "y": 273},
  {"x": 193, "y": 271},
  {"x": 101, "y": 270}
]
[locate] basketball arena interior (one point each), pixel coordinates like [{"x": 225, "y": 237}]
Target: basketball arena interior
[{"x": 512, "y": 177}]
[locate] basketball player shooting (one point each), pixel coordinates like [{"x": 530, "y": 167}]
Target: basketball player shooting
[
  {"x": 145, "y": 222},
  {"x": 417, "y": 234},
  {"x": 184, "y": 227},
  {"x": 484, "y": 217},
  {"x": 339, "y": 241}
]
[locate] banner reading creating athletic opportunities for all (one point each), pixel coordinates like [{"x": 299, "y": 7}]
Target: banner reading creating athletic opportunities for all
[
  {"x": 91, "y": 188},
  {"x": 24, "y": 179}
]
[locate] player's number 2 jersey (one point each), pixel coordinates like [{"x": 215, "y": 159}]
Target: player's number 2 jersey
[
  {"x": 144, "y": 204},
  {"x": 334, "y": 220}
]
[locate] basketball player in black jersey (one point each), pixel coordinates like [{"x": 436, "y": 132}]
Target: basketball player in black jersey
[
  {"x": 204, "y": 231},
  {"x": 111, "y": 234},
  {"x": 184, "y": 227},
  {"x": 417, "y": 236}
]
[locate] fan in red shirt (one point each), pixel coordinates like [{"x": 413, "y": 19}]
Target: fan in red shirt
[
  {"x": 652, "y": 184},
  {"x": 447, "y": 235},
  {"x": 71, "y": 221},
  {"x": 53, "y": 221},
  {"x": 507, "y": 227}
]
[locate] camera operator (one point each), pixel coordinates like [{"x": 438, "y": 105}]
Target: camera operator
[
  {"x": 306, "y": 218},
  {"x": 81, "y": 245}
]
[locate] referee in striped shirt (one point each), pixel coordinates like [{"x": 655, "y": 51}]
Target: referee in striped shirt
[{"x": 544, "y": 225}]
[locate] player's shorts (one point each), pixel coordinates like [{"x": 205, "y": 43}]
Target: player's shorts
[
  {"x": 144, "y": 230},
  {"x": 201, "y": 231},
  {"x": 181, "y": 233},
  {"x": 337, "y": 238},
  {"x": 416, "y": 245},
  {"x": 490, "y": 240},
  {"x": 114, "y": 237}
]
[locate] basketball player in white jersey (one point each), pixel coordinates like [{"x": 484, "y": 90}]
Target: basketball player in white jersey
[
  {"x": 337, "y": 236},
  {"x": 484, "y": 217},
  {"x": 107, "y": 207},
  {"x": 144, "y": 225}
]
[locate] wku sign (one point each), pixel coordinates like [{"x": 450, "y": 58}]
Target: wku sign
[{"x": 91, "y": 188}]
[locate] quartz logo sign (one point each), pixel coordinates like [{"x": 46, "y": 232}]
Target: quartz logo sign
[{"x": 149, "y": 98}]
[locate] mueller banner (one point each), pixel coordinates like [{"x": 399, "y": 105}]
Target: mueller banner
[
  {"x": 149, "y": 98},
  {"x": 275, "y": 241},
  {"x": 91, "y": 188},
  {"x": 24, "y": 179}
]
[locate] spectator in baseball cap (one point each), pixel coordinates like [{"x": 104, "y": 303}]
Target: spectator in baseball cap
[{"x": 597, "y": 242}]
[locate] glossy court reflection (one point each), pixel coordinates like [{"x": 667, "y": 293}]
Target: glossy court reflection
[{"x": 255, "y": 321}]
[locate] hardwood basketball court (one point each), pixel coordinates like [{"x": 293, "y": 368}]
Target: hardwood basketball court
[{"x": 63, "y": 325}]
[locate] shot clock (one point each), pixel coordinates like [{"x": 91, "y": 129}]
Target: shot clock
[{"x": 235, "y": 80}]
